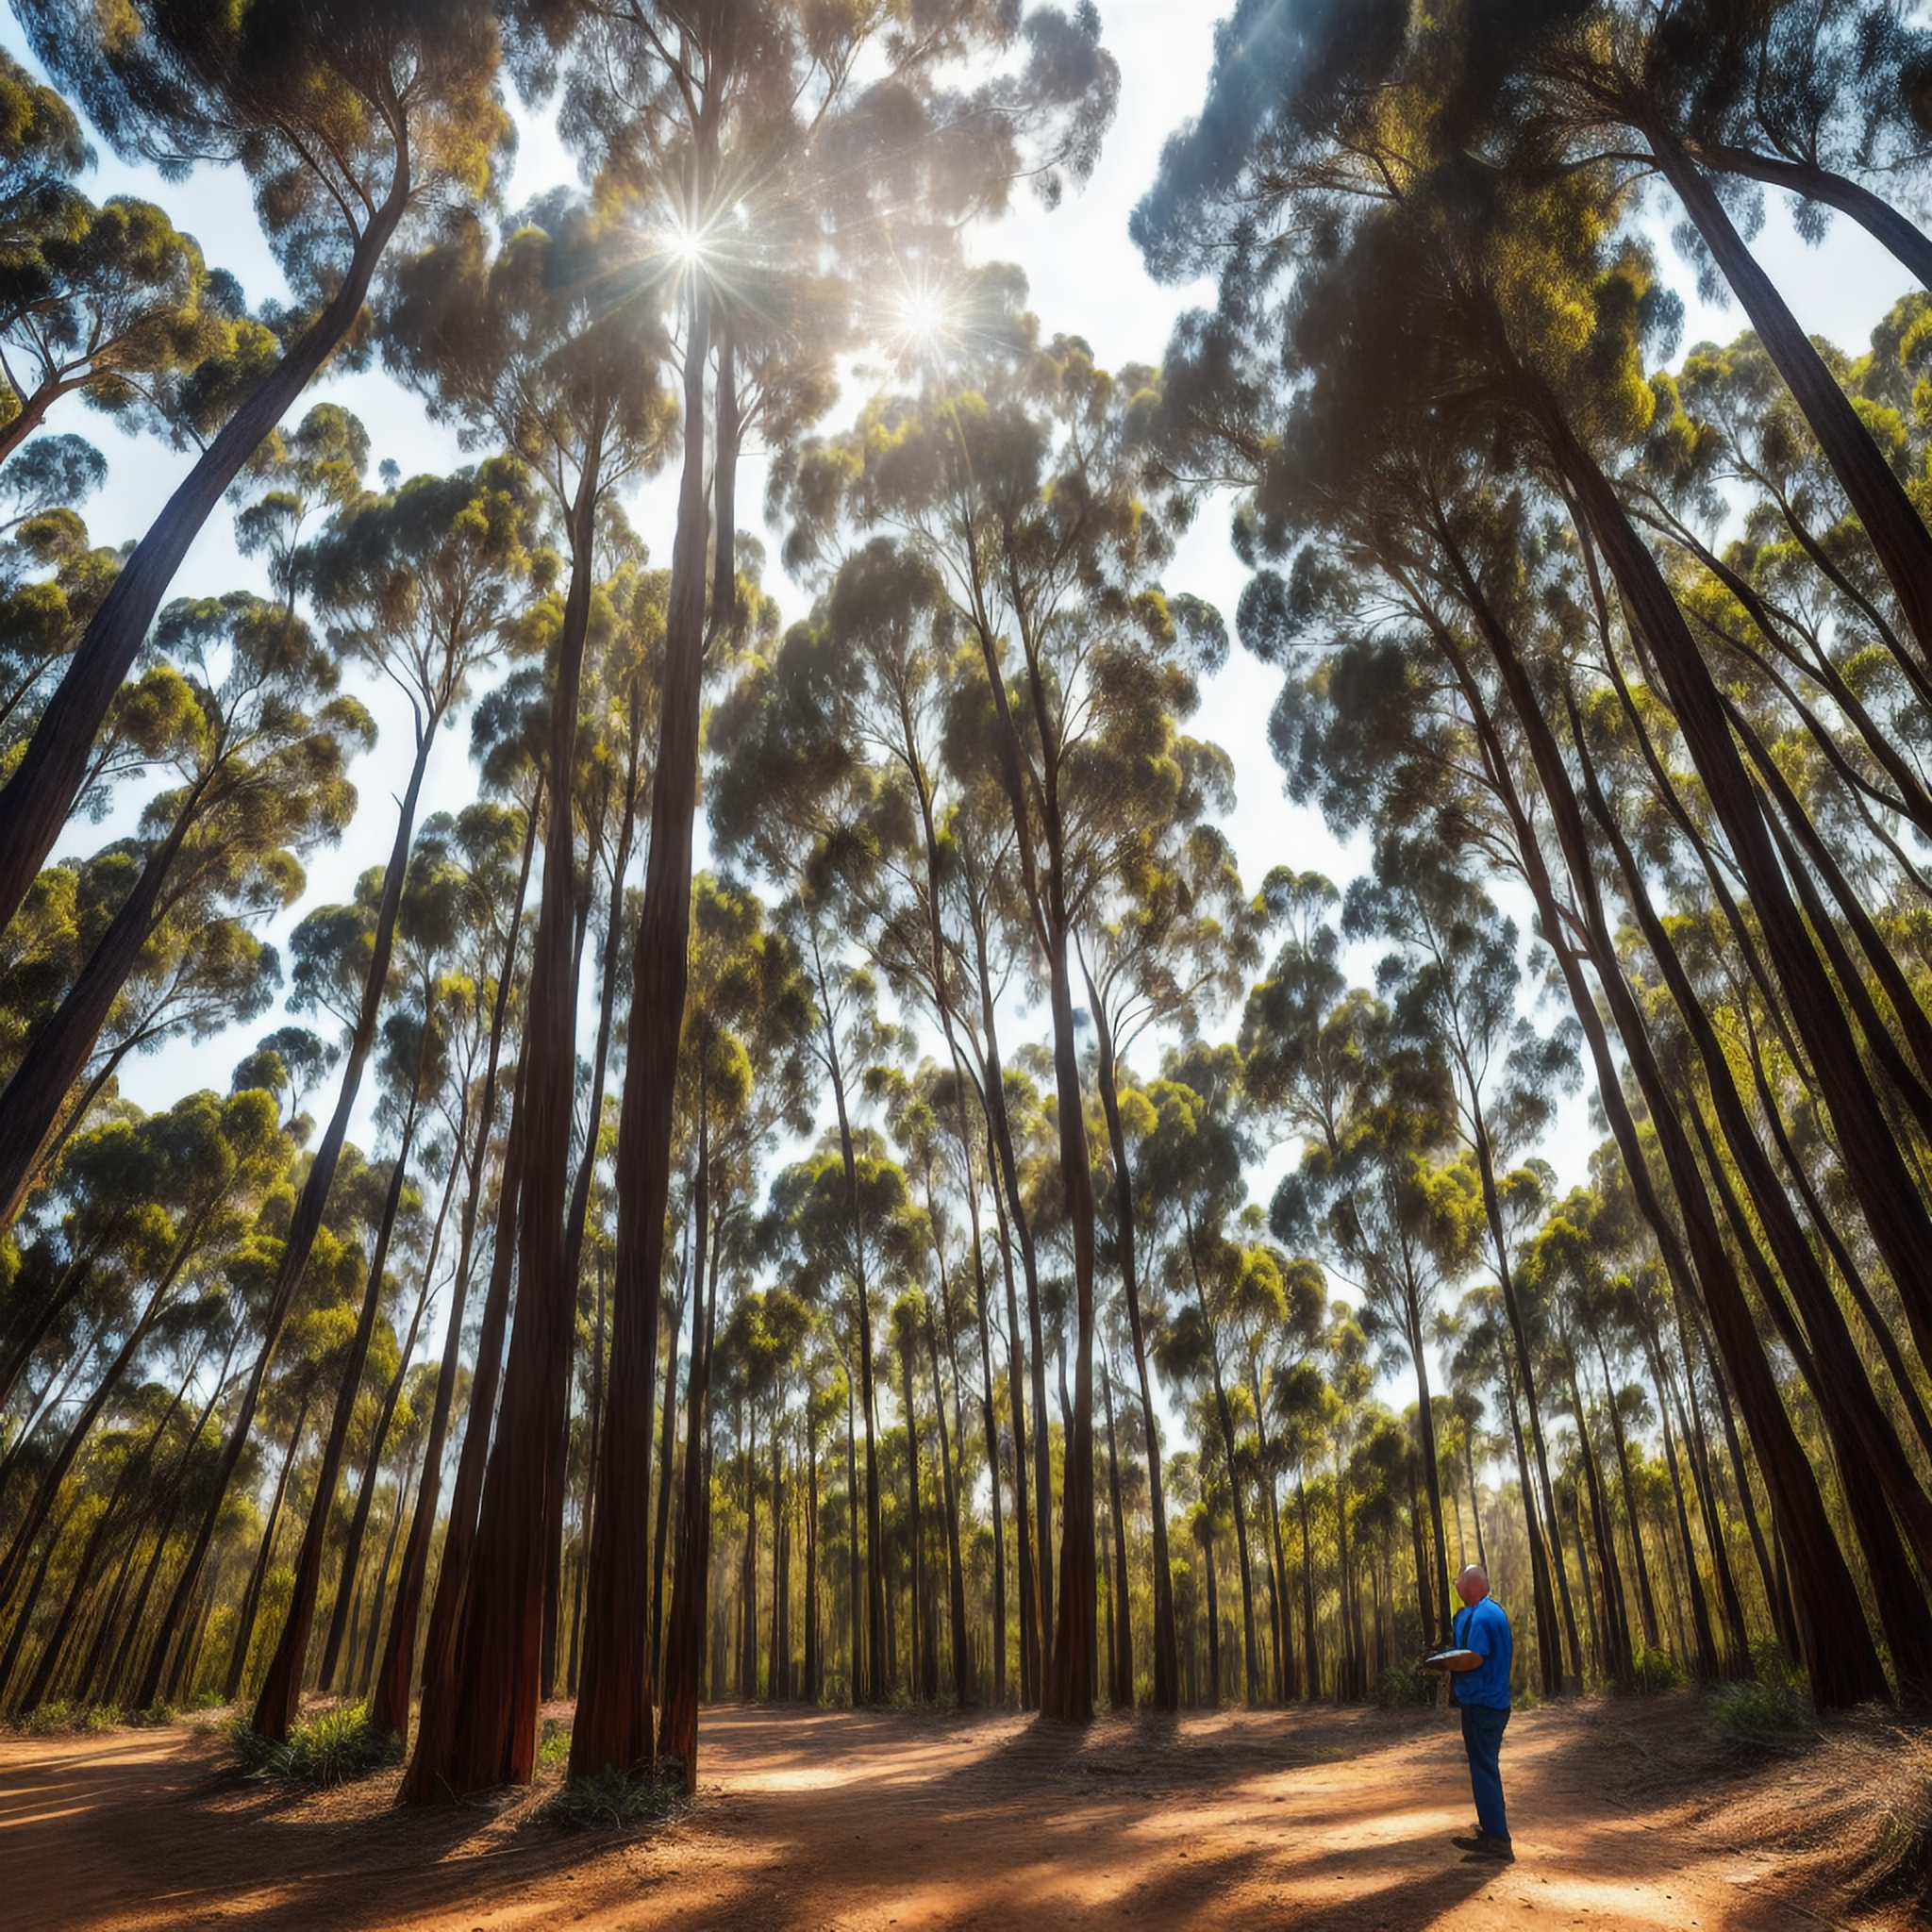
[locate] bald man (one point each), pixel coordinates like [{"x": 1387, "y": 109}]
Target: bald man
[{"x": 1480, "y": 1686}]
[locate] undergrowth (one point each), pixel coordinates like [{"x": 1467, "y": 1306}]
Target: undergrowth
[
  {"x": 1774, "y": 1701},
  {"x": 65, "y": 1720},
  {"x": 330, "y": 1748},
  {"x": 641, "y": 1795},
  {"x": 1655, "y": 1670}
]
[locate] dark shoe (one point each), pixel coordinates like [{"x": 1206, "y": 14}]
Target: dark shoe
[
  {"x": 1497, "y": 1848},
  {"x": 1471, "y": 1841}
]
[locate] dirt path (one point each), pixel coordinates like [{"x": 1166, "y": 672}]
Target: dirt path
[{"x": 831, "y": 1821}]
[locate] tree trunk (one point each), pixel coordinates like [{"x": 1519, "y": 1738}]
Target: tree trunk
[
  {"x": 1840, "y": 1655},
  {"x": 1166, "y": 1654},
  {"x": 389, "y": 1710},
  {"x": 495, "y": 1682},
  {"x": 37, "y": 800},
  {"x": 280, "y": 1703},
  {"x": 58, "y": 1057},
  {"x": 307, "y": 1220},
  {"x": 1120, "y": 1687},
  {"x": 613, "y": 1726},
  {"x": 459, "y": 1539}
]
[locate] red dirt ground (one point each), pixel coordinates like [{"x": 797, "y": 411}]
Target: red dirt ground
[{"x": 1626, "y": 1815}]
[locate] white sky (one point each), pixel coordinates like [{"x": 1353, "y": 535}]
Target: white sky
[{"x": 1085, "y": 277}]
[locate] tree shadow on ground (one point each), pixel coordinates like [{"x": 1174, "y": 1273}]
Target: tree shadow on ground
[{"x": 829, "y": 1820}]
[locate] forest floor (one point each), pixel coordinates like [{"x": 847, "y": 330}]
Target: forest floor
[{"x": 1628, "y": 1814}]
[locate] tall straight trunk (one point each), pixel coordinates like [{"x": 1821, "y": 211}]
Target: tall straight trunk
[
  {"x": 1015, "y": 1223},
  {"x": 1067, "y": 1689},
  {"x": 34, "y": 805},
  {"x": 855, "y": 1636},
  {"x": 495, "y": 1684},
  {"x": 1206, "y": 1547},
  {"x": 1690, "y": 1429},
  {"x": 1707, "y": 1665},
  {"x": 915, "y": 1540},
  {"x": 422, "y": 1784},
  {"x": 389, "y": 1710},
  {"x": 1311, "y": 1671},
  {"x": 1277, "y": 1586},
  {"x": 748, "y": 1571},
  {"x": 689, "y": 1598},
  {"x": 965, "y": 1693},
  {"x": 372, "y": 1471},
  {"x": 1590, "y": 1597},
  {"x": 1016, "y": 1401},
  {"x": 814, "y": 1655},
  {"x": 1878, "y": 498},
  {"x": 1538, "y": 1523},
  {"x": 614, "y": 1707},
  {"x": 876, "y": 1687},
  {"x": 990, "y": 1422},
  {"x": 1120, "y": 1645},
  {"x": 1646, "y": 1601},
  {"x": 305, "y": 1222},
  {"x": 1549, "y": 1655},
  {"x": 596, "y": 1420},
  {"x": 1166, "y": 1671},
  {"x": 280, "y": 1703},
  {"x": 660, "y": 1542},
  {"x": 245, "y": 1617},
  {"x": 1225, "y": 1415},
  {"x": 1432, "y": 1475},
  {"x": 1840, "y": 1659},
  {"x": 779, "y": 1671},
  {"x": 362, "y": 1678}
]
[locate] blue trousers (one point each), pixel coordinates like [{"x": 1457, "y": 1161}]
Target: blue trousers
[{"x": 1482, "y": 1738}]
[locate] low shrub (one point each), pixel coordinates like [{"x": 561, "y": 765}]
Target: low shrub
[
  {"x": 1400, "y": 1685},
  {"x": 64, "y": 1719},
  {"x": 1655, "y": 1670},
  {"x": 330, "y": 1748},
  {"x": 1774, "y": 1701},
  {"x": 554, "y": 1746},
  {"x": 641, "y": 1795}
]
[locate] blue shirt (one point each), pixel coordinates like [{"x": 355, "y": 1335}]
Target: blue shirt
[{"x": 1483, "y": 1628}]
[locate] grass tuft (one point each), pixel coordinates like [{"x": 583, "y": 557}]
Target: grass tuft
[
  {"x": 330, "y": 1748},
  {"x": 1774, "y": 1701},
  {"x": 65, "y": 1720},
  {"x": 644, "y": 1794}
]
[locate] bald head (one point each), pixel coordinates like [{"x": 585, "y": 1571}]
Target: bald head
[{"x": 1473, "y": 1583}]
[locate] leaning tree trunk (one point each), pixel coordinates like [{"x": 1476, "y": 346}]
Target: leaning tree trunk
[
  {"x": 57, "y": 1058},
  {"x": 1877, "y": 498},
  {"x": 34, "y": 805},
  {"x": 1907, "y": 243},
  {"x": 1840, "y": 1655},
  {"x": 306, "y": 1224},
  {"x": 280, "y": 1703}
]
